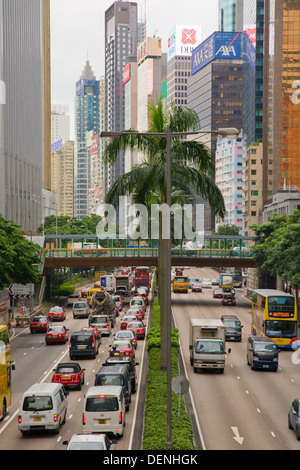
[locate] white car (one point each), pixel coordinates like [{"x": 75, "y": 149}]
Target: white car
[
  {"x": 90, "y": 442},
  {"x": 206, "y": 283}
]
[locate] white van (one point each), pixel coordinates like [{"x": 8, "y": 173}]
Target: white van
[
  {"x": 43, "y": 407},
  {"x": 104, "y": 410}
]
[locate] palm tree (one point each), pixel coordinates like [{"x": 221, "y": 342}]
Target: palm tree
[{"x": 192, "y": 167}]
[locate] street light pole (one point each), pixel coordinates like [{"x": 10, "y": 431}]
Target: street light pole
[{"x": 165, "y": 275}]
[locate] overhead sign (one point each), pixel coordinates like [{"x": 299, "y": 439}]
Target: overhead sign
[
  {"x": 217, "y": 46},
  {"x": 20, "y": 289},
  {"x": 182, "y": 39}
]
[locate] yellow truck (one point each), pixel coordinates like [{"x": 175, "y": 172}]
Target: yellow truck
[{"x": 181, "y": 284}]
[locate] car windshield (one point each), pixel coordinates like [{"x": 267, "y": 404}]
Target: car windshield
[
  {"x": 129, "y": 318},
  {"x": 212, "y": 347},
  {"x": 37, "y": 403},
  {"x": 67, "y": 369},
  {"x": 81, "y": 339},
  {"x": 125, "y": 334},
  {"x": 121, "y": 344},
  {"x": 102, "y": 403},
  {"x": 39, "y": 319},
  {"x": 232, "y": 323},
  {"x": 56, "y": 328},
  {"x": 86, "y": 446},
  {"x": 110, "y": 380},
  {"x": 80, "y": 305},
  {"x": 135, "y": 324},
  {"x": 56, "y": 309},
  {"x": 262, "y": 347},
  {"x": 99, "y": 320}
]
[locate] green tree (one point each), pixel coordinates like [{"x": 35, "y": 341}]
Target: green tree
[
  {"x": 17, "y": 255},
  {"x": 192, "y": 170},
  {"x": 277, "y": 249}
]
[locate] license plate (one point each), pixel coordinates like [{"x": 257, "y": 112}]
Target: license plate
[
  {"x": 37, "y": 418},
  {"x": 82, "y": 346},
  {"x": 80, "y": 311},
  {"x": 265, "y": 366},
  {"x": 65, "y": 377},
  {"x": 101, "y": 421},
  {"x": 54, "y": 336},
  {"x": 231, "y": 337}
]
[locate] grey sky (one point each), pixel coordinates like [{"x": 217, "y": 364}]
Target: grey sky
[{"x": 77, "y": 32}]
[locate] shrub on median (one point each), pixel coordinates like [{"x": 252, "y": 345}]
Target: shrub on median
[{"x": 155, "y": 421}]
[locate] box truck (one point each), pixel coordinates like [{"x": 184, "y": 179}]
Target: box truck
[{"x": 207, "y": 344}]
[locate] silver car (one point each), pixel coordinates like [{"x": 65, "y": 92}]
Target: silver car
[
  {"x": 102, "y": 323},
  {"x": 81, "y": 309}
]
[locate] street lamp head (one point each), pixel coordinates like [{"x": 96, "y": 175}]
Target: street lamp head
[{"x": 230, "y": 132}]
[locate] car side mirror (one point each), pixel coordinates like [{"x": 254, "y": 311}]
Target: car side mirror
[{"x": 229, "y": 350}]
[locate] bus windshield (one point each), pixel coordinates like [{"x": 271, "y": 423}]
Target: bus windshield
[
  {"x": 281, "y": 329},
  {"x": 281, "y": 304}
]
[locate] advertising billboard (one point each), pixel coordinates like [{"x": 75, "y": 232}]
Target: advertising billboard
[
  {"x": 220, "y": 45},
  {"x": 182, "y": 39}
]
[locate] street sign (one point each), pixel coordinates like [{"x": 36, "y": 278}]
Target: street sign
[{"x": 20, "y": 289}]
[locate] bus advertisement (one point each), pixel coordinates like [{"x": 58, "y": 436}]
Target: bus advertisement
[
  {"x": 142, "y": 277},
  {"x": 274, "y": 314},
  {"x": 6, "y": 366}
]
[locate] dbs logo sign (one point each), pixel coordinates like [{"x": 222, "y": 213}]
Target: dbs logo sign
[{"x": 188, "y": 36}]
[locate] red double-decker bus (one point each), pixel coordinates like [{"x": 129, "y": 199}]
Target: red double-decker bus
[{"x": 142, "y": 277}]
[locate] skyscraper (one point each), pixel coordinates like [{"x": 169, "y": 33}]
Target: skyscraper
[
  {"x": 121, "y": 36},
  {"x": 231, "y": 15},
  {"x": 281, "y": 95},
  {"x": 87, "y": 123},
  {"x": 25, "y": 73}
]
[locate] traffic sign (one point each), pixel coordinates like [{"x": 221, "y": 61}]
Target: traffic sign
[{"x": 20, "y": 289}]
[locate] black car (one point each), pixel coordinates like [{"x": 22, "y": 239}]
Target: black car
[
  {"x": 83, "y": 344},
  {"x": 132, "y": 364},
  {"x": 233, "y": 328},
  {"x": 262, "y": 353}
]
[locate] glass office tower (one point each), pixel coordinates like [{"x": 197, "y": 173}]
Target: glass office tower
[
  {"x": 231, "y": 15},
  {"x": 282, "y": 93},
  {"x": 87, "y": 116}
]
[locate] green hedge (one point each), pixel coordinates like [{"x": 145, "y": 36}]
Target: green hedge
[{"x": 155, "y": 421}]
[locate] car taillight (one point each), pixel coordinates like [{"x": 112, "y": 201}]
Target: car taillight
[
  {"x": 120, "y": 418},
  {"x": 83, "y": 418},
  {"x": 19, "y": 419},
  {"x": 55, "y": 418}
]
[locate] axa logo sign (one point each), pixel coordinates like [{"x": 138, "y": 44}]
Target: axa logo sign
[
  {"x": 229, "y": 50},
  {"x": 218, "y": 45}
]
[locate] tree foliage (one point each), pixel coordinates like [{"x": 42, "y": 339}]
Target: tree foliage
[
  {"x": 17, "y": 255},
  {"x": 277, "y": 248}
]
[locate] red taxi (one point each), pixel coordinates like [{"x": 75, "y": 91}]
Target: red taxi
[
  {"x": 56, "y": 313},
  {"x": 39, "y": 323},
  {"x": 138, "y": 327},
  {"x": 139, "y": 313},
  {"x": 121, "y": 347},
  {"x": 126, "y": 319},
  {"x": 69, "y": 374},
  {"x": 57, "y": 334}
]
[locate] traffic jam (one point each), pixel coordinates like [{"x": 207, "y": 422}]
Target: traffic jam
[{"x": 123, "y": 294}]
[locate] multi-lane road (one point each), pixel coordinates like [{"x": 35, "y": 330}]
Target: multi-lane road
[
  {"x": 241, "y": 409},
  {"x": 35, "y": 362}
]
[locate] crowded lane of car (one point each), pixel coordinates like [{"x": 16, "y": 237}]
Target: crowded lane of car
[
  {"x": 244, "y": 408},
  {"x": 57, "y": 351}
]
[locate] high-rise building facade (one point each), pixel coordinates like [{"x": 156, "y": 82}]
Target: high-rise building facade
[
  {"x": 26, "y": 114},
  {"x": 230, "y": 180},
  {"x": 182, "y": 39},
  {"x": 281, "y": 95},
  {"x": 215, "y": 90},
  {"x": 121, "y": 38},
  {"x": 87, "y": 123},
  {"x": 62, "y": 179},
  {"x": 231, "y": 15},
  {"x": 60, "y": 123}
]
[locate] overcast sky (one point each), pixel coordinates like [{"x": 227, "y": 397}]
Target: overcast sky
[{"x": 77, "y": 32}]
